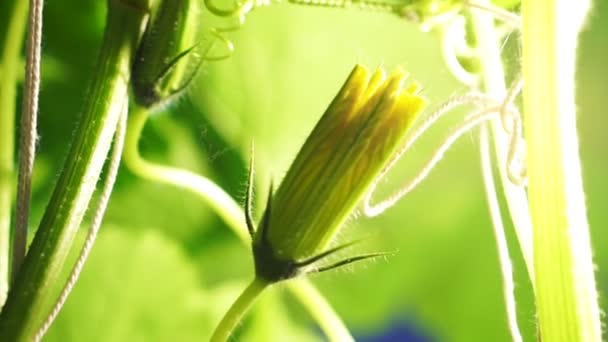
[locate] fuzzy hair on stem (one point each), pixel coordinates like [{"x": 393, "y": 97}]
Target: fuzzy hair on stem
[
  {"x": 27, "y": 140},
  {"x": 104, "y": 198}
]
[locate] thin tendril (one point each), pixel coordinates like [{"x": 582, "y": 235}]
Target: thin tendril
[
  {"x": 372, "y": 5},
  {"x": 95, "y": 224},
  {"x": 217, "y": 32},
  {"x": 469, "y": 123},
  {"x": 499, "y": 232},
  {"x": 455, "y": 31},
  {"x": 27, "y": 140},
  {"x": 516, "y": 153},
  {"x": 511, "y": 122},
  {"x": 497, "y": 12},
  {"x": 240, "y": 9},
  {"x": 473, "y": 97}
]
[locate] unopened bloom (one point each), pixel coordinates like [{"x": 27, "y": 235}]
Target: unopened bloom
[
  {"x": 346, "y": 150},
  {"x": 165, "y": 58}
]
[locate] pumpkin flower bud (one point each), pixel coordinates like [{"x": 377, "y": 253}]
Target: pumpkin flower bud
[
  {"x": 165, "y": 63},
  {"x": 346, "y": 150}
]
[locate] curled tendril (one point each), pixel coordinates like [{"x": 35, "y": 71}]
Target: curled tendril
[
  {"x": 504, "y": 110},
  {"x": 361, "y": 4},
  {"x": 497, "y": 12},
  {"x": 453, "y": 45},
  {"x": 516, "y": 157},
  {"x": 239, "y": 10},
  {"x": 454, "y": 41},
  {"x": 229, "y": 46}
]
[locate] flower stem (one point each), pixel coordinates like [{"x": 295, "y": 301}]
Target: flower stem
[
  {"x": 232, "y": 214},
  {"x": 566, "y": 296},
  {"x": 238, "y": 309},
  {"x": 41, "y": 269},
  {"x": 9, "y": 67},
  {"x": 211, "y": 193}
]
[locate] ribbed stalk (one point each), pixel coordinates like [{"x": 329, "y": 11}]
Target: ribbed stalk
[
  {"x": 566, "y": 296},
  {"x": 9, "y": 69},
  {"x": 69, "y": 202}
]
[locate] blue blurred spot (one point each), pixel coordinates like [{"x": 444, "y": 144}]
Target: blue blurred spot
[{"x": 401, "y": 332}]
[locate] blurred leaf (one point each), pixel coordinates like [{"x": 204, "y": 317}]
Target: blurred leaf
[{"x": 136, "y": 286}]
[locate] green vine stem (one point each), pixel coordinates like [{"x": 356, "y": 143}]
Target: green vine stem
[
  {"x": 238, "y": 309},
  {"x": 9, "y": 66},
  {"x": 566, "y": 296},
  {"x": 232, "y": 214},
  {"x": 27, "y": 299}
]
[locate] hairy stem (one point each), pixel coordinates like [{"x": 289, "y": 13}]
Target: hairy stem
[
  {"x": 9, "y": 67},
  {"x": 99, "y": 212},
  {"x": 238, "y": 309},
  {"x": 25, "y": 306},
  {"x": 566, "y": 296},
  {"x": 28, "y": 133},
  {"x": 211, "y": 193}
]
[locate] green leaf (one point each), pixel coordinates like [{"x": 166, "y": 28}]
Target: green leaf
[{"x": 136, "y": 286}]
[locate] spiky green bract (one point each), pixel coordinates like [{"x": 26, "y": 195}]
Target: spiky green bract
[
  {"x": 346, "y": 150},
  {"x": 165, "y": 61}
]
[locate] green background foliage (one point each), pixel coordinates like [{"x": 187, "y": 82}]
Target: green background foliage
[{"x": 165, "y": 268}]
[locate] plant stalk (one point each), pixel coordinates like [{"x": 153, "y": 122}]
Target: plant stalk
[
  {"x": 238, "y": 309},
  {"x": 40, "y": 272},
  {"x": 566, "y": 296},
  {"x": 211, "y": 193},
  {"x": 9, "y": 66}
]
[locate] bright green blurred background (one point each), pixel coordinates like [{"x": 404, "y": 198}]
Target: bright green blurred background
[{"x": 165, "y": 268}]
